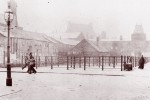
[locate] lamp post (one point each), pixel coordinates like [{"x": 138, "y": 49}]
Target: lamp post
[{"x": 8, "y": 18}]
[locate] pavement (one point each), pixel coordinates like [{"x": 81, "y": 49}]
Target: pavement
[{"x": 76, "y": 84}]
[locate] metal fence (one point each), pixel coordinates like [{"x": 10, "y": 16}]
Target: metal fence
[{"x": 68, "y": 62}]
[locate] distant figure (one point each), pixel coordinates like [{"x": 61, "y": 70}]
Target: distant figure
[
  {"x": 31, "y": 64},
  {"x": 141, "y": 62}
]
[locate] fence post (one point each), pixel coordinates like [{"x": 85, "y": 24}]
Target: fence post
[
  {"x": 80, "y": 62},
  {"x": 102, "y": 63},
  {"x": 114, "y": 62},
  {"x": 105, "y": 59},
  {"x": 99, "y": 61},
  {"x": 45, "y": 61},
  {"x": 71, "y": 61},
  {"x": 89, "y": 61},
  {"x": 39, "y": 62},
  {"x": 93, "y": 61},
  {"x": 135, "y": 61},
  {"x": 67, "y": 64},
  {"x": 132, "y": 61},
  {"x": 22, "y": 60},
  {"x": 58, "y": 61},
  {"x": 51, "y": 62},
  {"x": 124, "y": 61},
  {"x": 109, "y": 60},
  {"x": 4, "y": 59},
  {"x": 36, "y": 62},
  {"x": 74, "y": 62},
  {"x": 121, "y": 62},
  {"x": 84, "y": 62}
]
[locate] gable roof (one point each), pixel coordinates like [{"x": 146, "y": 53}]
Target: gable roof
[
  {"x": 68, "y": 41},
  {"x": 99, "y": 49},
  {"x": 22, "y": 34},
  {"x": 50, "y": 39}
]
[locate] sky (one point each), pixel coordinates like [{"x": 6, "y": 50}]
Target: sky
[{"x": 115, "y": 17}]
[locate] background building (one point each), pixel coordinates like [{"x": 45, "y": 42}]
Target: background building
[
  {"x": 138, "y": 34},
  {"x": 85, "y": 31},
  {"x": 87, "y": 48},
  {"x": 22, "y": 41}
]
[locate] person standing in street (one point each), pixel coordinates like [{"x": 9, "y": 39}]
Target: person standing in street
[
  {"x": 31, "y": 64},
  {"x": 141, "y": 62}
]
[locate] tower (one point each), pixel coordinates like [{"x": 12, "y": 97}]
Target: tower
[
  {"x": 13, "y": 6},
  {"x": 138, "y": 34}
]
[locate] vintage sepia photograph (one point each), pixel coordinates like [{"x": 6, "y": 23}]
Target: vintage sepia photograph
[{"x": 74, "y": 49}]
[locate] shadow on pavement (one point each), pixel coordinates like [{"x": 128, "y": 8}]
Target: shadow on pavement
[{"x": 70, "y": 73}]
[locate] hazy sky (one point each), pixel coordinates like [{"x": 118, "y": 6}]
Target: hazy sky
[{"x": 112, "y": 16}]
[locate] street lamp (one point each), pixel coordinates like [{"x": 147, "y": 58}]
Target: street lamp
[{"x": 8, "y": 16}]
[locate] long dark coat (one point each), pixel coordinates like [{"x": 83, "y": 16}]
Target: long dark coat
[{"x": 141, "y": 63}]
